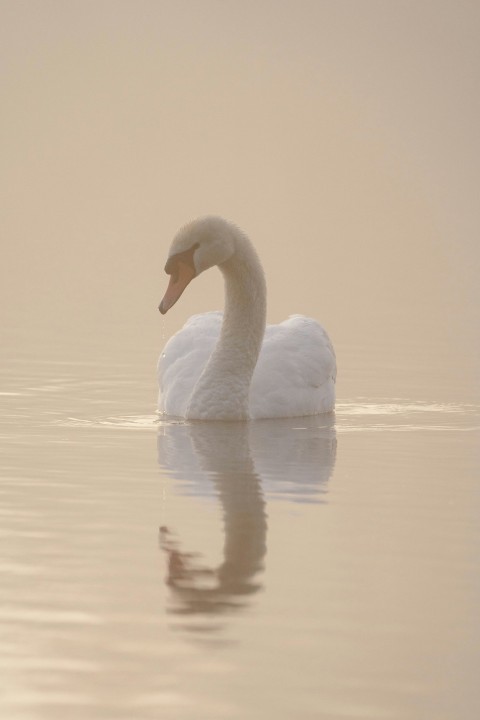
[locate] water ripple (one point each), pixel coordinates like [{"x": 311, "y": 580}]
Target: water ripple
[
  {"x": 403, "y": 415},
  {"x": 135, "y": 422},
  {"x": 356, "y": 415}
]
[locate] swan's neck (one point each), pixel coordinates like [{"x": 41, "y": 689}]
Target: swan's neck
[{"x": 223, "y": 388}]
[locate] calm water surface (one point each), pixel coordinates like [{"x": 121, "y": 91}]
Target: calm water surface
[{"x": 315, "y": 568}]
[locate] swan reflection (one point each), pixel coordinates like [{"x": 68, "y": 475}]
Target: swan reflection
[{"x": 241, "y": 464}]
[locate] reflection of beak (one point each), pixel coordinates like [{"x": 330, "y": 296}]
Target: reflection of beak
[{"x": 178, "y": 282}]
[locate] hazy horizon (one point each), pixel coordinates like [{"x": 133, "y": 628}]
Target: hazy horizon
[{"x": 342, "y": 137}]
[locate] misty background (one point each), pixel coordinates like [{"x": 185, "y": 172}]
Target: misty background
[{"x": 342, "y": 137}]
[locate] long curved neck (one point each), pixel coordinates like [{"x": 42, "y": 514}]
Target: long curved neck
[{"x": 222, "y": 390}]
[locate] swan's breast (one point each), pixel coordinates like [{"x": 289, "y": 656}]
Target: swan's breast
[{"x": 183, "y": 360}]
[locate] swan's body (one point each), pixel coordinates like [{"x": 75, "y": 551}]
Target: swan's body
[
  {"x": 230, "y": 366},
  {"x": 293, "y": 375}
]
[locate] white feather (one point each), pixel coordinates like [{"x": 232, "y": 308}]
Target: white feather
[{"x": 294, "y": 368}]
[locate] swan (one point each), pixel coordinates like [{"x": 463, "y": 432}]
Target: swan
[{"x": 232, "y": 366}]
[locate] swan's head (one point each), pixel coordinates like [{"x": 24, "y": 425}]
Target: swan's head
[{"x": 196, "y": 247}]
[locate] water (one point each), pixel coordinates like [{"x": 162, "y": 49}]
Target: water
[{"x": 313, "y": 567}]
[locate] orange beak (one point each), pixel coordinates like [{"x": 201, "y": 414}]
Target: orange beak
[{"x": 178, "y": 282}]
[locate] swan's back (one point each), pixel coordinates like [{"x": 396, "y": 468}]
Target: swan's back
[{"x": 294, "y": 376}]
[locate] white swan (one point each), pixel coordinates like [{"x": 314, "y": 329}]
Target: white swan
[{"x": 232, "y": 367}]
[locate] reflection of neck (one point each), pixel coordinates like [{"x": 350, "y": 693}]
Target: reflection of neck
[
  {"x": 222, "y": 390},
  {"x": 245, "y": 534},
  {"x": 240, "y": 493},
  {"x": 224, "y": 453}
]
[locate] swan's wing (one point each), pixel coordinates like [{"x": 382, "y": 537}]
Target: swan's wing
[
  {"x": 183, "y": 359},
  {"x": 296, "y": 371}
]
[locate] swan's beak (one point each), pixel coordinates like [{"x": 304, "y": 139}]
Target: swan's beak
[{"x": 178, "y": 282}]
